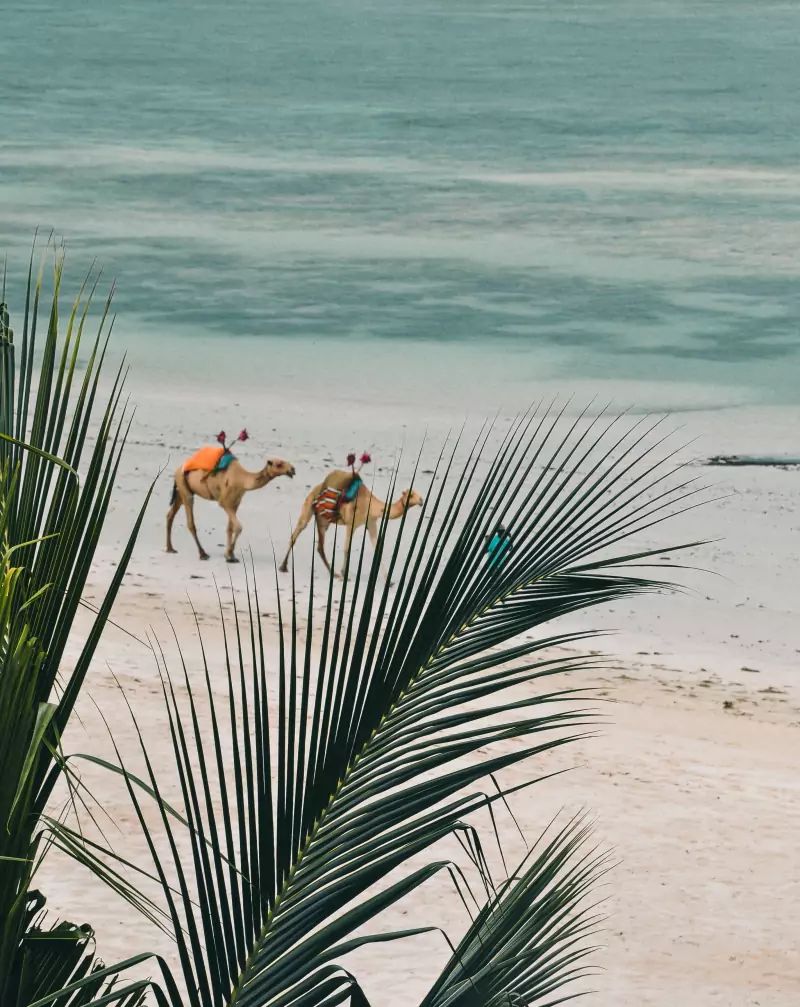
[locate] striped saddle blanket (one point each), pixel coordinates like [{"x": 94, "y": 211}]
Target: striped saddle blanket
[{"x": 326, "y": 505}]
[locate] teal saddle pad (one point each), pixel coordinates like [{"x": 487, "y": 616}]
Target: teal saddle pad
[{"x": 351, "y": 491}]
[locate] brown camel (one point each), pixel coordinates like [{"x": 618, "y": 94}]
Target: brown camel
[
  {"x": 365, "y": 509},
  {"x": 227, "y": 488}
]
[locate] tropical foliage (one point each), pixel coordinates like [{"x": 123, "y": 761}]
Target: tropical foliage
[
  {"x": 50, "y": 522},
  {"x": 314, "y": 794}
]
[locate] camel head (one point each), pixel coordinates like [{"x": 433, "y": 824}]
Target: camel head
[
  {"x": 410, "y": 498},
  {"x": 278, "y": 467}
]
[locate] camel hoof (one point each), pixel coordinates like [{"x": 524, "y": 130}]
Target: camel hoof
[
  {"x": 283, "y": 568},
  {"x": 231, "y": 559},
  {"x": 203, "y": 555},
  {"x": 171, "y": 550}
]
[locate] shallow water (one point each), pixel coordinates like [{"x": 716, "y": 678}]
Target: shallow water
[{"x": 581, "y": 191}]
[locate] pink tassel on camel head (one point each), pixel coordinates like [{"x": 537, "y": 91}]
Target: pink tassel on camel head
[
  {"x": 242, "y": 436},
  {"x": 365, "y": 459}
]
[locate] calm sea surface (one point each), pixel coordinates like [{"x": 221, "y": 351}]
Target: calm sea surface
[{"x": 609, "y": 187}]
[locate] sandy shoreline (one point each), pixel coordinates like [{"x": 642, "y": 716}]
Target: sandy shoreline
[{"x": 692, "y": 781}]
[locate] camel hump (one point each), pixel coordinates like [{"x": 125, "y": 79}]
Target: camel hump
[
  {"x": 206, "y": 459},
  {"x": 338, "y": 479}
]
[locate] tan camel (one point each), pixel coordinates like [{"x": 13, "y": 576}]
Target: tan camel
[
  {"x": 366, "y": 509},
  {"x": 227, "y": 488}
]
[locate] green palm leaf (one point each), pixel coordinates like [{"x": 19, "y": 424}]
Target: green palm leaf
[
  {"x": 528, "y": 941},
  {"x": 54, "y": 958},
  {"x": 364, "y": 760},
  {"x": 60, "y": 448}
]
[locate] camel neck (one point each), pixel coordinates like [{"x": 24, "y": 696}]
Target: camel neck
[
  {"x": 252, "y": 480},
  {"x": 258, "y": 479},
  {"x": 396, "y": 509}
]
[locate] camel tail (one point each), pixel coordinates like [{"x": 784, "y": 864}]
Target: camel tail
[{"x": 174, "y": 495}]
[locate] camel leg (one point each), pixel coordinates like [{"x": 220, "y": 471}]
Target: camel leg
[
  {"x": 181, "y": 497},
  {"x": 322, "y": 528},
  {"x": 189, "y": 505},
  {"x": 372, "y": 530},
  {"x": 348, "y": 540},
  {"x": 173, "y": 510},
  {"x": 233, "y": 532},
  {"x": 306, "y": 514}
]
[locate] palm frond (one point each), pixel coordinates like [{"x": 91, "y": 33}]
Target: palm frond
[
  {"x": 366, "y": 759},
  {"x": 53, "y": 959},
  {"x": 528, "y": 943},
  {"x": 60, "y": 449}
]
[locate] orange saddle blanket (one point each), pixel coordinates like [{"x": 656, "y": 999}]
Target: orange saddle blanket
[{"x": 205, "y": 459}]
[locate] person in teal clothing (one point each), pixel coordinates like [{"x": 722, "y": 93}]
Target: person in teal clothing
[{"x": 499, "y": 546}]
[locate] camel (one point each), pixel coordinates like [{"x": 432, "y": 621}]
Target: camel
[
  {"x": 365, "y": 509},
  {"x": 227, "y": 488}
]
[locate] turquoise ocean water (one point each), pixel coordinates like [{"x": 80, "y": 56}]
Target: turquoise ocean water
[{"x": 600, "y": 189}]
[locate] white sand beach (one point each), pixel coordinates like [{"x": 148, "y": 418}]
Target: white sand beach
[{"x": 693, "y": 778}]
